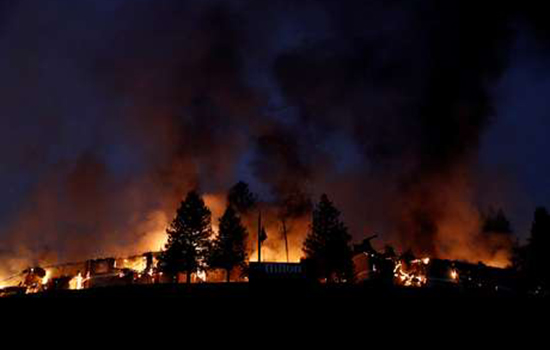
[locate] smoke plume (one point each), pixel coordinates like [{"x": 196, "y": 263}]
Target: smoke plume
[{"x": 112, "y": 111}]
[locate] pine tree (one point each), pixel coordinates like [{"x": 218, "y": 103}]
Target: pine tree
[
  {"x": 188, "y": 238},
  {"x": 496, "y": 232},
  {"x": 531, "y": 260},
  {"x": 229, "y": 247},
  {"x": 241, "y": 198},
  {"x": 540, "y": 231},
  {"x": 497, "y": 222},
  {"x": 327, "y": 244},
  {"x": 538, "y": 248}
]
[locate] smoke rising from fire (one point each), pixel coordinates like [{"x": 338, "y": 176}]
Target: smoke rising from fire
[{"x": 112, "y": 111}]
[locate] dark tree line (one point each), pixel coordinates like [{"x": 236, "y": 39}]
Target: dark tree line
[
  {"x": 188, "y": 238},
  {"x": 327, "y": 246},
  {"x": 532, "y": 260},
  {"x": 229, "y": 248},
  {"x": 192, "y": 245},
  {"x": 495, "y": 221}
]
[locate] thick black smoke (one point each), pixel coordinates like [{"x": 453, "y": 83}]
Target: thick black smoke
[
  {"x": 110, "y": 111},
  {"x": 410, "y": 82}
]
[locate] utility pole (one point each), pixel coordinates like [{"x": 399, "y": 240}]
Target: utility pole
[
  {"x": 286, "y": 239},
  {"x": 259, "y": 236}
]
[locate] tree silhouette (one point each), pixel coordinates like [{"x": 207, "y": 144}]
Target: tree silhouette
[
  {"x": 241, "y": 198},
  {"x": 496, "y": 222},
  {"x": 533, "y": 258},
  {"x": 327, "y": 244},
  {"x": 496, "y": 232},
  {"x": 188, "y": 238},
  {"x": 229, "y": 247}
]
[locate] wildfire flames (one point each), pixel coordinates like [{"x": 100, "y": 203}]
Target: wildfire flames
[
  {"x": 46, "y": 277},
  {"x": 142, "y": 269},
  {"x": 454, "y": 275},
  {"x": 399, "y": 151},
  {"x": 138, "y": 269},
  {"x": 412, "y": 276},
  {"x": 77, "y": 283}
]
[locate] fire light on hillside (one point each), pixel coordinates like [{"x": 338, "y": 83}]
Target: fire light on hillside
[
  {"x": 412, "y": 274},
  {"x": 46, "y": 277},
  {"x": 454, "y": 275},
  {"x": 77, "y": 283}
]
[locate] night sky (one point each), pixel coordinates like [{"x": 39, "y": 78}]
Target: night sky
[{"x": 402, "y": 111}]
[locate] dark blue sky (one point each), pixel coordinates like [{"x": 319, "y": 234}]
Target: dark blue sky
[
  {"x": 111, "y": 110},
  {"x": 516, "y": 143}
]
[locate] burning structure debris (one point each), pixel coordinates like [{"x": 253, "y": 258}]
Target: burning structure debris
[
  {"x": 194, "y": 253},
  {"x": 370, "y": 266},
  {"x": 434, "y": 273},
  {"x": 386, "y": 108},
  {"x": 96, "y": 273}
]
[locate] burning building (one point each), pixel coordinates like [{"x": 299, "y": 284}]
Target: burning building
[
  {"x": 405, "y": 271},
  {"x": 371, "y": 266},
  {"x": 387, "y": 122}
]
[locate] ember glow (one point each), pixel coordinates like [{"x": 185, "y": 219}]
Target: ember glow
[
  {"x": 138, "y": 264},
  {"x": 412, "y": 274},
  {"x": 454, "y": 275},
  {"x": 46, "y": 277},
  {"x": 121, "y": 110},
  {"x": 77, "y": 283}
]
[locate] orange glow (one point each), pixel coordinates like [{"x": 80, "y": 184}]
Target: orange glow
[
  {"x": 217, "y": 204},
  {"x": 77, "y": 283},
  {"x": 454, "y": 275},
  {"x": 455, "y": 240},
  {"x": 155, "y": 237},
  {"x": 137, "y": 264},
  {"x": 411, "y": 276},
  {"x": 273, "y": 249},
  {"x": 46, "y": 277}
]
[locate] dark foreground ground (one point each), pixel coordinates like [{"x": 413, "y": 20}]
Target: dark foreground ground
[
  {"x": 305, "y": 292},
  {"x": 270, "y": 309}
]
